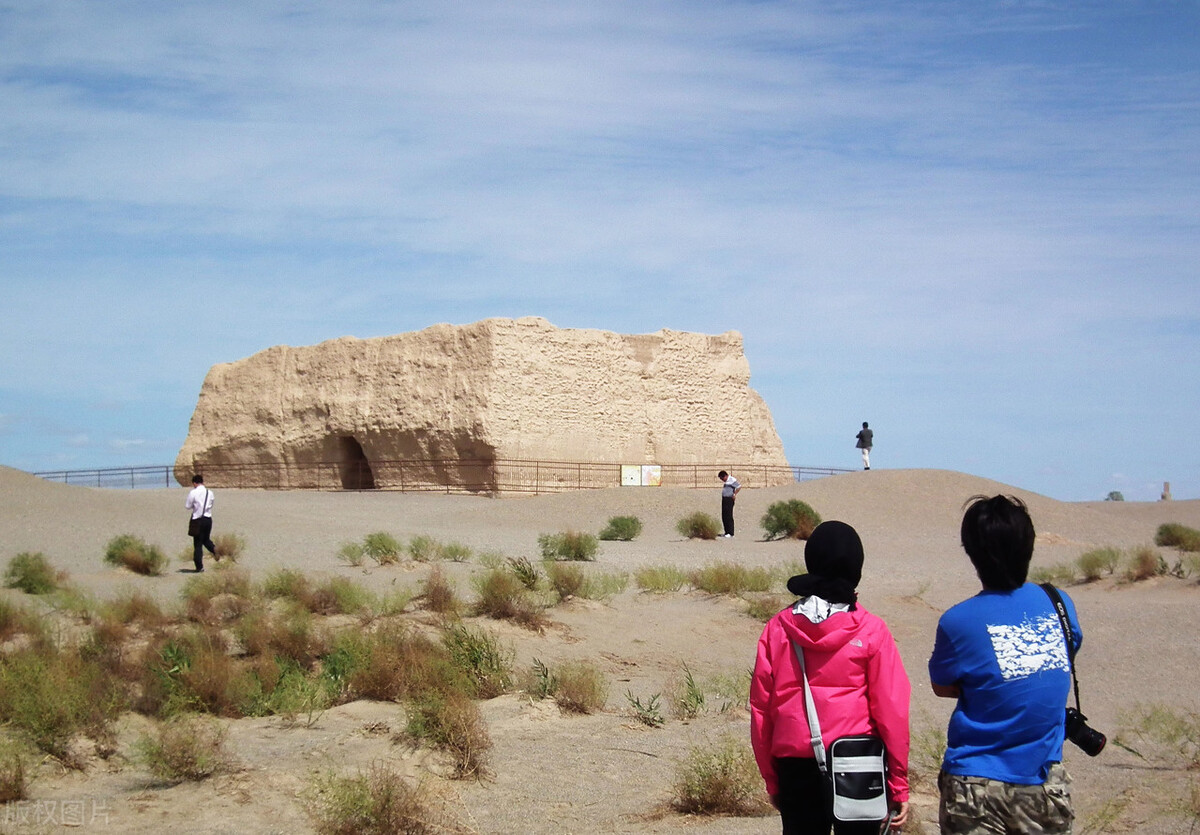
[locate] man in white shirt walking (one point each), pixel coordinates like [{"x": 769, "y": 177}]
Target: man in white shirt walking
[{"x": 200, "y": 503}]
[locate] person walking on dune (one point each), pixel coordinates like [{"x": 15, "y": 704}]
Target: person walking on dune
[
  {"x": 730, "y": 487},
  {"x": 200, "y": 503},
  {"x": 865, "y": 439}
]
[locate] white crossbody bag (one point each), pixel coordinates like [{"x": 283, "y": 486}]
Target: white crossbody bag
[{"x": 855, "y": 767}]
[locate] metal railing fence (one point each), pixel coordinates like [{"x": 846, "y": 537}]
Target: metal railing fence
[{"x": 487, "y": 476}]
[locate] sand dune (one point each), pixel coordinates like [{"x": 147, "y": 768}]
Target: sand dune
[{"x": 606, "y": 773}]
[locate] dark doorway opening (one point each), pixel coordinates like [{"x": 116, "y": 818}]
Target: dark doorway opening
[{"x": 355, "y": 469}]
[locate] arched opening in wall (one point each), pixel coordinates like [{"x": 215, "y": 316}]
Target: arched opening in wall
[{"x": 353, "y": 466}]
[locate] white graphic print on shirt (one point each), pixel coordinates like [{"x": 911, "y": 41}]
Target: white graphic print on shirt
[{"x": 1026, "y": 648}]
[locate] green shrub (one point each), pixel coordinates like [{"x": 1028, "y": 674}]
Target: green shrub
[
  {"x": 129, "y": 551},
  {"x": 478, "y": 653},
  {"x": 456, "y": 552},
  {"x": 698, "y": 525},
  {"x": 186, "y": 747},
  {"x": 792, "y": 519},
  {"x": 353, "y": 553},
  {"x": 730, "y": 578},
  {"x": 763, "y": 607},
  {"x": 721, "y": 779},
  {"x": 338, "y": 596},
  {"x": 378, "y": 801},
  {"x": 32, "y": 574},
  {"x": 1098, "y": 561},
  {"x": 51, "y": 695},
  {"x": 17, "y": 620},
  {"x": 229, "y": 546},
  {"x": 660, "y": 578},
  {"x": 687, "y": 697},
  {"x": 581, "y": 687},
  {"x": 604, "y": 585},
  {"x": 287, "y": 584},
  {"x": 1175, "y": 535},
  {"x": 525, "y": 571},
  {"x": 1169, "y": 734},
  {"x": 1060, "y": 574},
  {"x": 648, "y": 714},
  {"x": 539, "y": 681},
  {"x": 566, "y": 579},
  {"x": 622, "y": 529},
  {"x": 298, "y": 694},
  {"x": 568, "y": 545},
  {"x": 382, "y": 547},
  {"x": 501, "y": 596},
  {"x": 1144, "y": 563},
  {"x": 424, "y": 548}
]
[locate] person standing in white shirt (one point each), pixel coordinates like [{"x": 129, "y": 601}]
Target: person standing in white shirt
[
  {"x": 729, "y": 489},
  {"x": 200, "y": 503}
]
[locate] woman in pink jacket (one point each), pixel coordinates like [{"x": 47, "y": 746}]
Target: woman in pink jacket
[{"x": 857, "y": 679}]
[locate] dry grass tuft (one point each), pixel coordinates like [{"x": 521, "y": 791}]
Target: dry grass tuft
[{"x": 186, "y": 747}]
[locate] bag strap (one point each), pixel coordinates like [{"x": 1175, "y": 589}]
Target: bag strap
[
  {"x": 814, "y": 726},
  {"x": 1060, "y": 609}
]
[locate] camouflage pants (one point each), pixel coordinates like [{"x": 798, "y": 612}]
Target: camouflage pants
[{"x": 978, "y": 806}]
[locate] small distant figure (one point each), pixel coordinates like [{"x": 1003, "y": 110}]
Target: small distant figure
[
  {"x": 865, "y": 436},
  {"x": 730, "y": 487},
  {"x": 200, "y": 503}
]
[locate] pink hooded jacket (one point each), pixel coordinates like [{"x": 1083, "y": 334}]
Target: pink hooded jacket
[{"x": 858, "y": 683}]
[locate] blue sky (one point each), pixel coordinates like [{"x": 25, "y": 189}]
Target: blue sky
[{"x": 974, "y": 225}]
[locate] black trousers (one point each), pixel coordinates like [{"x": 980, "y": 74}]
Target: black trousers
[
  {"x": 727, "y": 514},
  {"x": 202, "y": 539},
  {"x": 804, "y": 802}
]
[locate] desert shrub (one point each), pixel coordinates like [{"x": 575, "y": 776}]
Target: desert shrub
[
  {"x": 491, "y": 559},
  {"x": 565, "y": 579},
  {"x": 568, "y": 545},
  {"x": 338, "y": 596},
  {"x": 392, "y": 602},
  {"x": 396, "y": 662},
  {"x": 648, "y": 714},
  {"x": 730, "y": 690},
  {"x": 622, "y": 529},
  {"x": 13, "y": 778},
  {"x": 217, "y": 596},
  {"x": 185, "y": 747},
  {"x": 478, "y": 653},
  {"x": 501, "y": 596},
  {"x": 382, "y": 547},
  {"x": 581, "y": 687},
  {"x": 229, "y": 546},
  {"x": 378, "y": 801},
  {"x": 438, "y": 595},
  {"x": 763, "y": 607},
  {"x": 1175, "y": 535},
  {"x": 51, "y": 694},
  {"x": 287, "y": 584},
  {"x": 193, "y": 672},
  {"x": 699, "y": 525},
  {"x": 131, "y": 606},
  {"x": 687, "y": 697},
  {"x": 730, "y": 578},
  {"x": 719, "y": 779},
  {"x": 1060, "y": 574},
  {"x": 660, "y": 578},
  {"x": 525, "y": 571},
  {"x": 792, "y": 519},
  {"x": 292, "y": 635},
  {"x": 295, "y": 693},
  {"x": 1098, "y": 561},
  {"x": 424, "y": 548},
  {"x": 134, "y": 553},
  {"x": 928, "y": 748},
  {"x": 1144, "y": 563},
  {"x": 604, "y": 585},
  {"x": 456, "y": 552},
  {"x": 353, "y": 553},
  {"x": 17, "y": 620},
  {"x": 451, "y": 722},
  {"x": 538, "y": 681},
  {"x": 32, "y": 574}
]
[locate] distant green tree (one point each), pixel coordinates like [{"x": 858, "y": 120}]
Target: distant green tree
[{"x": 1114, "y": 496}]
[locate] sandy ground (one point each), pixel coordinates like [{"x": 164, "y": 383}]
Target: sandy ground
[{"x": 606, "y": 772}]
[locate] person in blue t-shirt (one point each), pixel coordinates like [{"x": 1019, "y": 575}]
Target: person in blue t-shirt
[{"x": 1003, "y": 655}]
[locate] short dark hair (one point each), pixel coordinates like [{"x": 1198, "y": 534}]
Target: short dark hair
[
  {"x": 864, "y": 424},
  {"x": 197, "y": 479},
  {"x": 997, "y": 534},
  {"x": 722, "y": 475}
]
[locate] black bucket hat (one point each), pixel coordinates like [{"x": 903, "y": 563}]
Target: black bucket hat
[{"x": 833, "y": 556}]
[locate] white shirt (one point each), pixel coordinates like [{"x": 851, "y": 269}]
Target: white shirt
[
  {"x": 731, "y": 486},
  {"x": 199, "y": 501}
]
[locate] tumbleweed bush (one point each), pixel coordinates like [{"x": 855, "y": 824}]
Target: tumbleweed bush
[
  {"x": 32, "y": 574},
  {"x": 185, "y": 747},
  {"x": 582, "y": 688},
  {"x": 229, "y": 546},
  {"x": 382, "y": 547},
  {"x": 621, "y": 529},
  {"x": 568, "y": 545},
  {"x": 1098, "y": 561},
  {"x": 699, "y": 525},
  {"x": 720, "y": 779},
  {"x": 134, "y": 553},
  {"x": 377, "y": 801},
  {"x": 791, "y": 519}
]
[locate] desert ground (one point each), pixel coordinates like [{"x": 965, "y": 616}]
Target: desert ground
[{"x": 552, "y": 772}]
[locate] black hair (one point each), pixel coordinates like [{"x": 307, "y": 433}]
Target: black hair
[
  {"x": 722, "y": 474},
  {"x": 997, "y": 534},
  {"x": 197, "y": 479},
  {"x": 864, "y": 424}
]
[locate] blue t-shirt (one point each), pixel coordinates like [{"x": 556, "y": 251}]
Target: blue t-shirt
[{"x": 1006, "y": 652}]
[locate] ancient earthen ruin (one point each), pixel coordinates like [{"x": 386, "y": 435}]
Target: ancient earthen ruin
[{"x": 471, "y": 406}]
